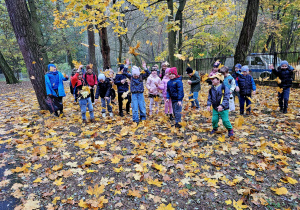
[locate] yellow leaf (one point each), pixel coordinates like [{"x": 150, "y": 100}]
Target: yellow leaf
[
  {"x": 205, "y": 167},
  {"x": 33, "y": 62},
  {"x": 280, "y": 191},
  {"x": 250, "y": 172},
  {"x": 221, "y": 138},
  {"x": 239, "y": 204},
  {"x": 37, "y": 166},
  {"x": 164, "y": 207},
  {"x": 115, "y": 160},
  {"x": 228, "y": 202},
  {"x": 118, "y": 170},
  {"x": 83, "y": 204},
  {"x": 134, "y": 193},
  {"x": 58, "y": 182},
  {"x": 57, "y": 167},
  {"x": 38, "y": 180}
]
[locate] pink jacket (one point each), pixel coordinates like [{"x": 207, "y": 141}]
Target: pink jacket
[
  {"x": 163, "y": 85},
  {"x": 212, "y": 73},
  {"x": 151, "y": 84}
]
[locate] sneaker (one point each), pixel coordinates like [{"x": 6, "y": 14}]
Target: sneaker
[
  {"x": 111, "y": 114},
  {"x": 177, "y": 125},
  {"x": 103, "y": 115},
  {"x": 284, "y": 111},
  {"x": 93, "y": 120},
  {"x": 84, "y": 121},
  {"x": 230, "y": 133},
  {"x": 121, "y": 114},
  {"x": 171, "y": 117},
  {"x": 281, "y": 110},
  {"x": 213, "y": 131}
]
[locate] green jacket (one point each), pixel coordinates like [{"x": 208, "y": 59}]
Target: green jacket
[{"x": 195, "y": 86}]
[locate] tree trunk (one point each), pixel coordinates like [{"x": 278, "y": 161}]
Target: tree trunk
[
  {"x": 246, "y": 34},
  {"x": 38, "y": 31},
  {"x": 120, "y": 49},
  {"x": 28, "y": 43},
  {"x": 171, "y": 36},
  {"x": 7, "y": 71},
  {"x": 92, "y": 49},
  {"x": 179, "y": 17},
  {"x": 105, "y": 49}
]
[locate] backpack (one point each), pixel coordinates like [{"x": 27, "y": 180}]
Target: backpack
[{"x": 95, "y": 78}]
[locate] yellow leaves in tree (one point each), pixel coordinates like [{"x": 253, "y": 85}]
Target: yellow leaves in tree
[
  {"x": 133, "y": 49},
  {"x": 280, "y": 191}
]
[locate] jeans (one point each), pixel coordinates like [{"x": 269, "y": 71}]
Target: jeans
[
  {"x": 244, "y": 98},
  {"x": 283, "y": 98},
  {"x": 83, "y": 103},
  {"x": 195, "y": 96},
  {"x": 177, "y": 111},
  {"x": 120, "y": 100},
  {"x": 106, "y": 104},
  {"x": 138, "y": 104},
  {"x": 225, "y": 119}
]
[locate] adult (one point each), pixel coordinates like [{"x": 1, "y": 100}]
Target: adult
[
  {"x": 91, "y": 80},
  {"x": 164, "y": 66},
  {"x": 55, "y": 86}
]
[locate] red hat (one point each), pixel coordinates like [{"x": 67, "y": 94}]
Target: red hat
[{"x": 173, "y": 70}]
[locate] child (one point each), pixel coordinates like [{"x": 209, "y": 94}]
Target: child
[
  {"x": 110, "y": 74},
  {"x": 122, "y": 85},
  {"x": 214, "y": 70},
  {"x": 152, "y": 84},
  {"x": 90, "y": 79},
  {"x": 235, "y": 75},
  {"x": 84, "y": 100},
  {"x": 229, "y": 82},
  {"x": 163, "y": 87},
  {"x": 137, "y": 90},
  {"x": 55, "y": 87},
  {"x": 164, "y": 66},
  {"x": 176, "y": 94},
  {"x": 219, "y": 99},
  {"x": 285, "y": 74},
  {"x": 194, "y": 82},
  {"x": 104, "y": 91},
  {"x": 245, "y": 86}
]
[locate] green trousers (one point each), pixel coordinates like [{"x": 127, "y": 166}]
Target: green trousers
[{"x": 225, "y": 119}]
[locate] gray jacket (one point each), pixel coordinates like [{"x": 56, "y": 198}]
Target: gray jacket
[
  {"x": 195, "y": 86},
  {"x": 215, "y": 96}
]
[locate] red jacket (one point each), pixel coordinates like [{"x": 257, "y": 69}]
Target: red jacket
[{"x": 90, "y": 79}]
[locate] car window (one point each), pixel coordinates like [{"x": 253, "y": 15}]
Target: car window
[{"x": 256, "y": 61}]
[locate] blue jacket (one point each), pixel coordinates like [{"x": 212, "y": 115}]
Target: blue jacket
[
  {"x": 215, "y": 97},
  {"x": 227, "y": 81},
  {"x": 246, "y": 84},
  {"x": 285, "y": 75},
  {"x": 50, "y": 90},
  {"x": 175, "y": 89},
  {"x": 121, "y": 87},
  {"x": 235, "y": 74},
  {"x": 136, "y": 84}
]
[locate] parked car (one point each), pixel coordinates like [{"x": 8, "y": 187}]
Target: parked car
[{"x": 258, "y": 64}]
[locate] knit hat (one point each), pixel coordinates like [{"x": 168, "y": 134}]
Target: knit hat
[
  {"x": 135, "y": 71},
  {"x": 173, "y": 70},
  {"x": 189, "y": 70},
  {"x": 51, "y": 65},
  {"x": 217, "y": 75},
  {"x": 284, "y": 63},
  {"x": 88, "y": 67},
  {"x": 153, "y": 68},
  {"x": 121, "y": 67},
  {"x": 217, "y": 64},
  {"x": 167, "y": 71},
  {"x": 245, "y": 68},
  {"x": 101, "y": 77},
  {"x": 239, "y": 66}
]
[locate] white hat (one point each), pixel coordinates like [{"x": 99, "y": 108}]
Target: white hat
[
  {"x": 135, "y": 71},
  {"x": 101, "y": 77}
]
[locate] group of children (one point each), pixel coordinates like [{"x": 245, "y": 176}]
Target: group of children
[{"x": 224, "y": 88}]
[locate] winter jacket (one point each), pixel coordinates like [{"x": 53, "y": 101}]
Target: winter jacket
[
  {"x": 60, "y": 85},
  {"x": 103, "y": 89},
  {"x": 195, "y": 78},
  {"x": 163, "y": 85},
  {"x": 235, "y": 74},
  {"x": 137, "y": 84},
  {"x": 120, "y": 76},
  {"x": 78, "y": 85},
  {"x": 90, "y": 79},
  {"x": 229, "y": 82},
  {"x": 175, "y": 89},
  {"x": 285, "y": 75},
  {"x": 150, "y": 84},
  {"x": 215, "y": 96},
  {"x": 246, "y": 84}
]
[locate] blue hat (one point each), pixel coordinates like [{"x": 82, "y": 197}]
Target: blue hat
[
  {"x": 284, "y": 62},
  {"x": 121, "y": 66},
  {"x": 239, "y": 66},
  {"x": 245, "y": 68},
  {"x": 217, "y": 64},
  {"x": 51, "y": 65}
]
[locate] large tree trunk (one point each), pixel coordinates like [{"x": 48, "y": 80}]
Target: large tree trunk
[
  {"x": 38, "y": 31},
  {"x": 120, "y": 49},
  {"x": 7, "y": 71},
  {"x": 246, "y": 34},
  {"x": 171, "y": 35},
  {"x": 92, "y": 49},
  {"x": 105, "y": 49},
  {"x": 29, "y": 47},
  {"x": 179, "y": 17}
]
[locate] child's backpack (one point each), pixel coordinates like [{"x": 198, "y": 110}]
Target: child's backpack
[{"x": 95, "y": 78}]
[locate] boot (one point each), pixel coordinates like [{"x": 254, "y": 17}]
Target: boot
[
  {"x": 280, "y": 105},
  {"x": 93, "y": 120},
  {"x": 171, "y": 117},
  {"x": 230, "y": 133},
  {"x": 177, "y": 125},
  {"x": 84, "y": 121}
]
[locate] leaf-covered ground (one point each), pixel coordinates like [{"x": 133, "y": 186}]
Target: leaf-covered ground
[{"x": 58, "y": 163}]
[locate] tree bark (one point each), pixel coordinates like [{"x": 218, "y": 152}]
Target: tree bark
[
  {"x": 246, "y": 34},
  {"x": 7, "y": 71},
  {"x": 179, "y": 17},
  {"x": 38, "y": 31},
  {"x": 28, "y": 43},
  {"x": 120, "y": 49},
  {"x": 105, "y": 49},
  {"x": 171, "y": 35},
  {"x": 92, "y": 49}
]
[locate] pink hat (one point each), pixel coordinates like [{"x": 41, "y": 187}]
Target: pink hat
[
  {"x": 173, "y": 70},
  {"x": 167, "y": 71}
]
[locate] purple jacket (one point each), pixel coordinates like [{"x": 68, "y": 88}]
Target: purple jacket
[{"x": 163, "y": 85}]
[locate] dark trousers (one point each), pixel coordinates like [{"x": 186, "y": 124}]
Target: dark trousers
[
  {"x": 92, "y": 94},
  {"x": 177, "y": 111},
  {"x": 283, "y": 98},
  {"x": 243, "y": 99},
  {"x": 120, "y": 100}
]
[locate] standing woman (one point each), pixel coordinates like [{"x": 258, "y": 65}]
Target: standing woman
[
  {"x": 55, "y": 86},
  {"x": 164, "y": 66}
]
